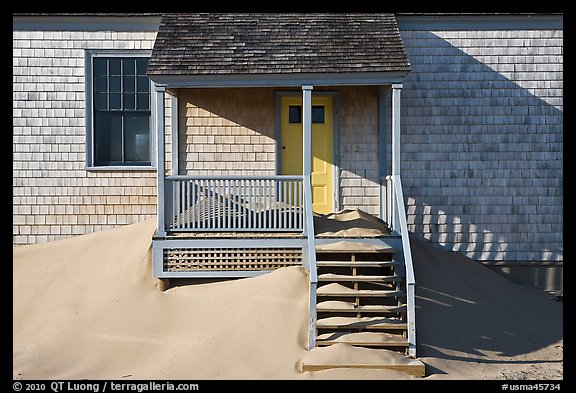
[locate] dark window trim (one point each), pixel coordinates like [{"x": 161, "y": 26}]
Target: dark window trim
[{"x": 90, "y": 163}]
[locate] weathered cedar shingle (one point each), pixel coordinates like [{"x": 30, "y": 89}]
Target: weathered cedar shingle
[{"x": 220, "y": 44}]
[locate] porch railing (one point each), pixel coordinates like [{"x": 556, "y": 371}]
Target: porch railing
[
  {"x": 234, "y": 203},
  {"x": 396, "y": 217}
]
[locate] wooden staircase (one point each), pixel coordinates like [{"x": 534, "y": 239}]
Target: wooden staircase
[{"x": 361, "y": 301}]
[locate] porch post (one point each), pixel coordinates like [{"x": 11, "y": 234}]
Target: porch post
[
  {"x": 160, "y": 159},
  {"x": 396, "y": 89},
  {"x": 383, "y": 132},
  {"x": 174, "y": 132},
  {"x": 306, "y": 136},
  {"x": 307, "y": 129}
]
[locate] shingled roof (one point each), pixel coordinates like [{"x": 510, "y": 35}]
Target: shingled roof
[{"x": 229, "y": 44}]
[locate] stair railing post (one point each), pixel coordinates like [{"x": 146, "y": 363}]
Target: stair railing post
[{"x": 309, "y": 227}]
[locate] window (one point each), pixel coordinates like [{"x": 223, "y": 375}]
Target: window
[
  {"x": 295, "y": 114},
  {"x": 121, "y": 111},
  {"x": 317, "y": 114}
]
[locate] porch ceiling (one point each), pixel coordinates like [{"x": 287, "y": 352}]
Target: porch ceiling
[{"x": 277, "y": 49}]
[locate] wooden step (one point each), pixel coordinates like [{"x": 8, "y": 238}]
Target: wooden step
[
  {"x": 363, "y": 278},
  {"x": 413, "y": 367},
  {"x": 361, "y": 323},
  {"x": 347, "y": 356},
  {"x": 336, "y": 289},
  {"x": 374, "y": 339},
  {"x": 356, "y": 263},
  {"x": 348, "y": 307},
  {"x": 354, "y": 247}
]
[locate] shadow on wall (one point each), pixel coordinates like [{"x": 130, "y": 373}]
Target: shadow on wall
[{"x": 481, "y": 153}]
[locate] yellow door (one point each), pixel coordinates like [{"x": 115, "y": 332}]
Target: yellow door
[{"x": 322, "y": 147}]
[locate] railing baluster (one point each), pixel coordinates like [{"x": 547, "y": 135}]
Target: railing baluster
[
  {"x": 300, "y": 205},
  {"x": 193, "y": 205},
  {"x": 182, "y": 203},
  {"x": 274, "y": 211},
  {"x": 290, "y": 211},
  {"x": 270, "y": 204},
  {"x": 229, "y": 201},
  {"x": 261, "y": 196},
  {"x": 258, "y": 190},
  {"x": 249, "y": 203},
  {"x": 214, "y": 202},
  {"x": 234, "y": 205},
  {"x": 279, "y": 201},
  {"x": 264, "y": 201},
  {"x": 266, "y": 204},
  {"x": 174, "y": 220},
  {"x": 285, "y": 204},
  {"x": 244, "y": 209},
  {"x": 225, "y": 202},
  {"x": 220, "y": 203},
  {"x": 205, "y": 202},
  {"x": 188, "y": 207}
]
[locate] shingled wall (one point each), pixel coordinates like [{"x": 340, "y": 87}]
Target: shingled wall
[
  {"x": 54, "y": 196},
  {"x": 482, "y": 148}
]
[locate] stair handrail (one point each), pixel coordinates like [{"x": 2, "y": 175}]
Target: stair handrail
[
  {"x": 310, "y": 265},
  {"x": 401, "y": 226}
]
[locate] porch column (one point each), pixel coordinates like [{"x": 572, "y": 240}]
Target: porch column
[
  {"x": 307, "y": 142},
  {"x": 307, "y": 130},
  {"x": 384, "y": 93},
  {"x": 174, "y": 132},
  {"x": 160, "y": 159},
  {"x": 396, "y": 89}
]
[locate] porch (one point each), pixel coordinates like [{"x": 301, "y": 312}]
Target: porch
[{"x": 206, "y": 203}]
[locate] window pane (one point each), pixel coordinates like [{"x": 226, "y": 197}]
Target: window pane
[
  {"x": 116, "y": 101},
  {"x": 129, "y": 101},
  {"x": 143, "y": 101},
  {"x": 107, "y": 137},
  {"x": 143, "y": 84},
  {"x": 129, "y": 67},
  {"x": 114, "y": 66},
  {"x": 141, "y": 65},
  {"x": 136, "y": 138},
  {"x": 129, "y": 84},
  {"x": 100, "y": 84},
  {"x": 101, "y": 101},
  {"x": 317, "y": 114},
  {"x": 115, "y": 84},
  {"x": 100, "y": 66},
  {"x": 294, "y": 114}
]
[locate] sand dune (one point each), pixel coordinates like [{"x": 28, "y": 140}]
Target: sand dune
[{"x": 86, "y": 307}]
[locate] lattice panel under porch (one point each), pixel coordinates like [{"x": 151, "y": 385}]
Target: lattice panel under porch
[{"x": 199, "y": 259}]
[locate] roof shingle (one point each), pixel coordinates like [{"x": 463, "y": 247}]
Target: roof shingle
[{"x": 226, "y": 44}]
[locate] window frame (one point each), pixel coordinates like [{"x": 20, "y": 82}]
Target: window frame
[{"x": 90, "y": 55}]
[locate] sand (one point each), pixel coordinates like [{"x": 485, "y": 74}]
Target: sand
[
  {"x": 349, "y": 223},
  {"x": 87, "y": 307}
]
